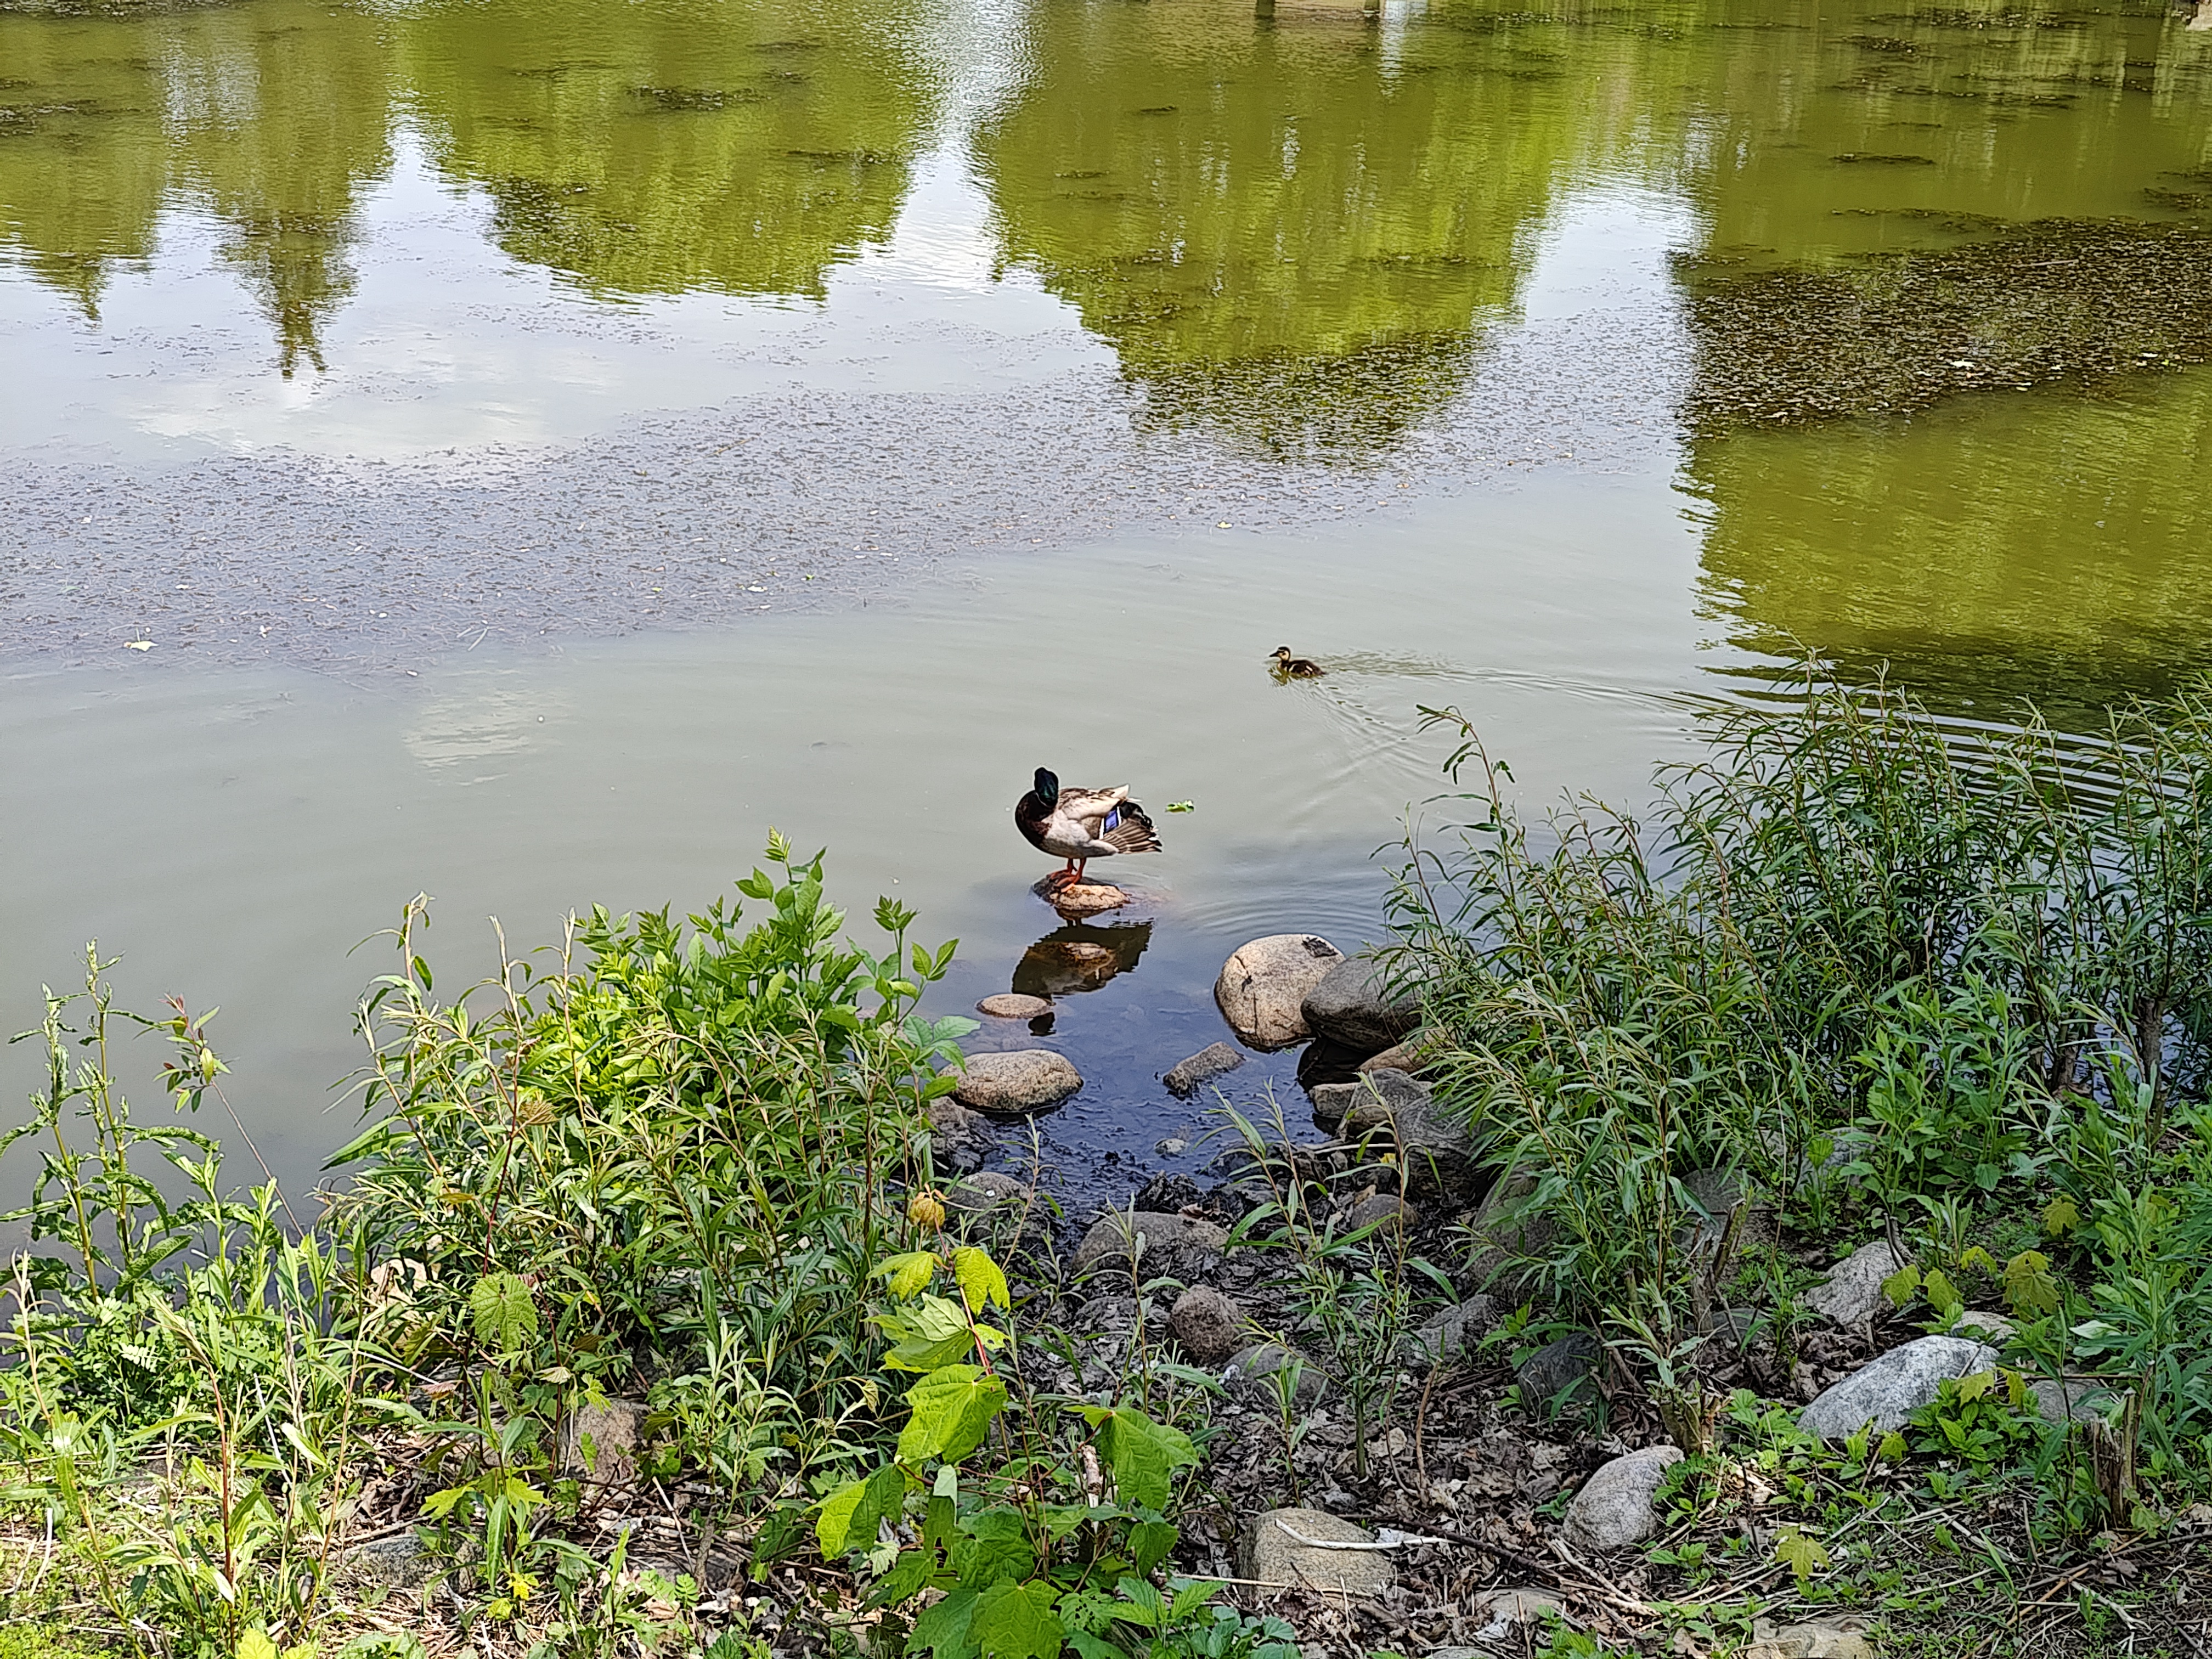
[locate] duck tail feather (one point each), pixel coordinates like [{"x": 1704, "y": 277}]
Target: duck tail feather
[{"x": 1130, "y": 830}]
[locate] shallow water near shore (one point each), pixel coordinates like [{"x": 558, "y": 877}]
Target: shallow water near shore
[
  {"x": 244, "y": 830},
  {"x": 981, "y": 384}
]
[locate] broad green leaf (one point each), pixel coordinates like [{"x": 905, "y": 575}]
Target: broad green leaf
[
  {"x": 908, "y": 1273},
  {"x": 1149, "y": 1544},
  {"x": 851, "y": 1514},
  {"x": 1943, "y": 1295},
  {"x": 1891, "y": 1450},
  {"x": 934, "y": 1333},
  {"x": 502, "y": 1311},
  {"x": 980, "y": 1281},
  {"x": 1800, "y": 1553},
  {"x": 1901, "y": 1285},
  {"x": 2060, "y": 1216},
  {"x": 1973, "y": 1388},
  {"x": 942, "y": 1630},
  {"x": 256, "y": 1644},
  {"x": 1015, "y": 1621},
  {"x": 2031, "y": 1289},
  {"x": 953, "y": 1407},
  {"x": 905, "y": 1579},
  {"x": 1143, "y": 1455}
]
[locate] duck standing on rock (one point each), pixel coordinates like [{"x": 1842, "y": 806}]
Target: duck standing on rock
[
  {"x": 1296, "y": 668},
  {"x": 1081, "y": 824}
]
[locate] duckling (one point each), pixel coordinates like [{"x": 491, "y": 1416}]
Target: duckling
[{"x": 1296, "y": 668}]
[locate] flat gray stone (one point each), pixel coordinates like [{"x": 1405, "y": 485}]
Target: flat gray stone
[
  {"x": 1891, "y": 1388},
  {"x": 1174, "y": 1245},
  {"x": 2070, "y": 1402},
  {"x": 1562, "y": 1374},
  {"x": 397, "y": 1562},
  {"x": 1451, "y": 1334},
  {"x": 1395, "y": 1090},
  {"x": 1247, "y": 1376},
  {"x": 604, "y": 1442},
  {"x": 1978, "y": 1324},
  {"x": 1353, "y": 1004},
  {"x": 1186, "y": 1076},
  {"x": 1853, "y": 1294},
  {"x": 1262, "y": 987},
  {"x": 986, "y": 1190},
  {"x": 1383, "y": 1207},
  {"x": 1012, "y": 1004},
  {"x": 1019, "y": 1080},
  {"x": 1268, "y": 1550},
  {"x": 1210, "y": 1327},
  {"x": 1614, "y": 1509}
]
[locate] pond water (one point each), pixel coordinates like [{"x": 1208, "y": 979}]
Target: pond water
[{"x": 522, "y": 451}]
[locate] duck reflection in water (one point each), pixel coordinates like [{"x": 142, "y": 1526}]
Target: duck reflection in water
[{"x": 1080, "y": 956}]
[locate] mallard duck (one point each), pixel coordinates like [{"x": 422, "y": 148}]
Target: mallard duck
[
  {"x": 1296, "y": 668},
  {"x": 1082, "y": 824}
]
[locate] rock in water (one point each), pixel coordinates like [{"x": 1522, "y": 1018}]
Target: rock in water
[
  {"x": 1894, "y": 1387},
  {"x": 1263, "y": 986},
  {"x": 1212, "y": 1061},
  {"x": 1084, "y": 898},
  {"x": 1613, "y": 1508},
  {"x": 1853, "y": 1292},
  {"x": 1020, "y": 1080},
  {"x": 1210, "y": 1327},
  {"x": 1353, "y": 1004},
  {"x": 1012, "y": 1004},
  {"x": 1269, "y": 1551}
]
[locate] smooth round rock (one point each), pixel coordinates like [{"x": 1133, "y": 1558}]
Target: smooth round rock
[
  {"x": 1613, "y": 1508},
  {"x": 1262, "y": 990},
  {"x": 1012, "y": 1004},
  {"x": 1179, "y": 1246},
  {"x": 1354, "y": 1005},
  {"x": 1888, "y": 1390},
  {"x": 1019, "y": 1080},
  {"x": 1210, "y": 1327}
]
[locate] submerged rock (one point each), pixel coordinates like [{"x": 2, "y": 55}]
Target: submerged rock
[
  {"x": 1272, "y": 1550},
  {"x": 1890, "y": 1390},
  {"x": 1353, "y": 1004},
  {"x": 1614, "y": 1509},
  {"x": 1012, "y": 1004},
  {"x": 1185, "y": 1076},
  {"x": 1263, "y": 985},
  {"x": 1019, "y": 1080}
]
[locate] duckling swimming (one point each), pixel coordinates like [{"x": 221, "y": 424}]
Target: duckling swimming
[{"x": 1296, "y": 668}]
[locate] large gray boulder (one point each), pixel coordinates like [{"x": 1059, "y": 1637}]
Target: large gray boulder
[
  {"x": 1019, "y": 1080},
  {"x": 1185, "y": 1077},
  {"x": 1353, "y": 1004},
  {"x": 1890, "y": 1390},
  {"x": 1273, "y": 1549},
  {"x": 1614, "y": 1509},
  {"x": 1263, "y": 985},
  {"x": 1853, "y": 1294},
  {"x": 1174, "y": 1246}
]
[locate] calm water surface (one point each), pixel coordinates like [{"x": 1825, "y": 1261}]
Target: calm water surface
[{"x": 542, "y": 446}]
